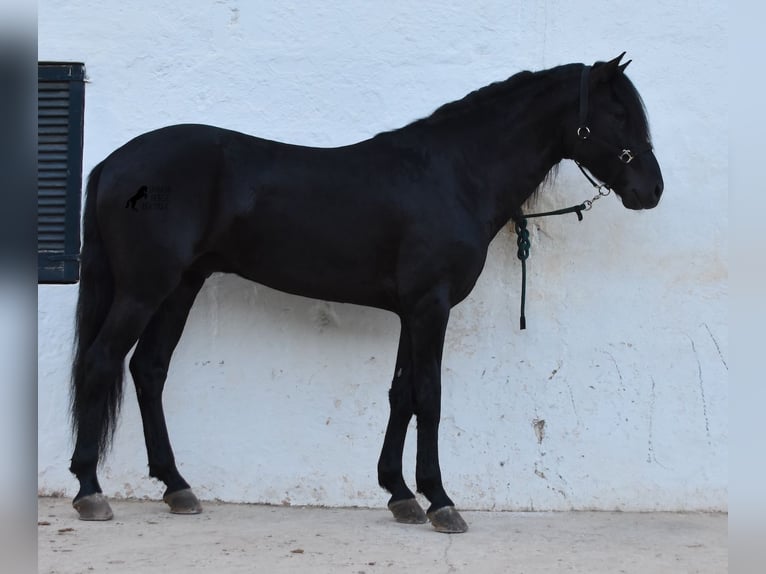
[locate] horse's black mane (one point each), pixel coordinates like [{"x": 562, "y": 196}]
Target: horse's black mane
[
  {"x": 490, "y": 94},
  {"x": 501, "y": 93},
  {"x": 497, "y": 94}
]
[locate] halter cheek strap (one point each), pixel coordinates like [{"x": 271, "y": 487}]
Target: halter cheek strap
[
  {"x": 624, "y": 155},
  {"x": 583, "y": 123}
]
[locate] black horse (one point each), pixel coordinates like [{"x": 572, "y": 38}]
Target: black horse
[{"x": 400, "y": 222}]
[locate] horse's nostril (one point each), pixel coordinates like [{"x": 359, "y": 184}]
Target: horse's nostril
[{"x": 658, "y": 190}]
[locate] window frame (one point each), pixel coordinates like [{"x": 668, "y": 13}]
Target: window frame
[{"x": 60, "y": 265}]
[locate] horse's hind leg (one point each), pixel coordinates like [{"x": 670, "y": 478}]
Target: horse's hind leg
[
  {"x": 149, "y": 367},
  {"x": 98, "y": 398},
  {"x": 402, "y": 503}
]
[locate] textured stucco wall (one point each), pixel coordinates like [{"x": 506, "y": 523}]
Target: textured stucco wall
[{"x": 275, "y": 398}]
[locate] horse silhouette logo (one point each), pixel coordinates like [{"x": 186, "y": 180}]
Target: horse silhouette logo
[{"x": 140, "y": 194}]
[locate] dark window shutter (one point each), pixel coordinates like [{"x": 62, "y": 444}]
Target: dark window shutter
[{"x": 60, "y": 107}]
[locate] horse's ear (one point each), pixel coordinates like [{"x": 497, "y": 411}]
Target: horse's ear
[
  {"x": 625, "y": 65},
  {"x": 606, "y": 71}
]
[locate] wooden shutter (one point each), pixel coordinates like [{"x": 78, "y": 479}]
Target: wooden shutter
[{"x": 60, "y": 107}]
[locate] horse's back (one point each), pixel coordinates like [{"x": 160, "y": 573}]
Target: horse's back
[
  {"x": 334, "y": 223},
  {"x": 280, "y": 214}
]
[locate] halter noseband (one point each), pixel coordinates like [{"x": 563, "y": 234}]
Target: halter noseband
[{"x": 625, "y": 155}]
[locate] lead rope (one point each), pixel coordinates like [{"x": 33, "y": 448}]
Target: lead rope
[{"x": 522, "y": 235}]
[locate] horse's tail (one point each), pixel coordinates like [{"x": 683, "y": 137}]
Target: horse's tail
[{"x": 95, "y": 297}]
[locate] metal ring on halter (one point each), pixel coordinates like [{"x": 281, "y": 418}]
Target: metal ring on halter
[
  {"x": 583, "y": 132},
  {"x": 626, "y": 156}
]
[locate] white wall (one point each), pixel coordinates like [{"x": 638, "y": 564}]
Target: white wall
[{"x": 274, "y": 398}]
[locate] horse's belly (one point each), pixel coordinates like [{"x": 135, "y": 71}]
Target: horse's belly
[{"x": 336, "y": 264}]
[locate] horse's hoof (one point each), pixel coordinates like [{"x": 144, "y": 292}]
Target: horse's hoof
[
  {"x": 183, "y": 502},
  {"x": 93, "y": 507},
  {"x": 407, "y": 511},
  {"x": 447, "y": 519}
]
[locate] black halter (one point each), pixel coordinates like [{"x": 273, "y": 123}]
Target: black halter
[{"x": 625, "y": 155}]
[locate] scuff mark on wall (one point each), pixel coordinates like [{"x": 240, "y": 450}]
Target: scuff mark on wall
[
  {"x": 323, "y": 315},
  {"x": 539, "y": 426},
  {"x": 233, "y": 11}
]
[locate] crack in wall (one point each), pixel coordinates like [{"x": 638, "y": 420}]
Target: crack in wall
[
  {"x": 651, "y": 456},
  {"x": 702, "y": 391},
  {"x": 717, "y": 348},
  {"x": 617, "y": 368},
  {"x": 574, "y": 406}
]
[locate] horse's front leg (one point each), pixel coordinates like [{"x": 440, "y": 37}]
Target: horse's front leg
[{"x": 428, "y": 325}]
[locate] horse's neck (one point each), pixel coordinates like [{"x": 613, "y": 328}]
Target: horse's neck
[
  {"x": 530, "y": 153},
  {"x": 507, "y": 157}
]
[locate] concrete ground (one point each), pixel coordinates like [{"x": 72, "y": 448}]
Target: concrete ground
[{"x": 145, "y": 538}]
